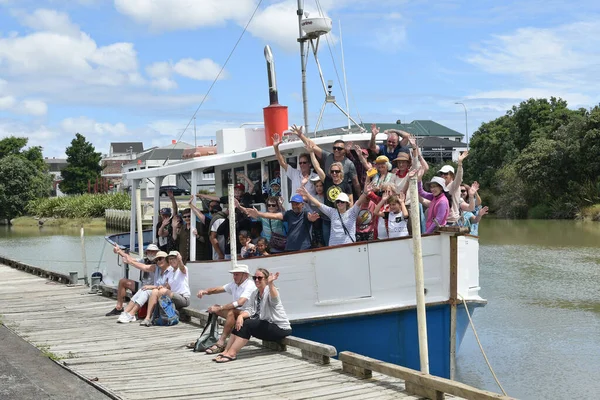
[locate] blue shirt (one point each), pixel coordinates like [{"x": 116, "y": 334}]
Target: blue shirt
[{"x": 383, "y": 151}]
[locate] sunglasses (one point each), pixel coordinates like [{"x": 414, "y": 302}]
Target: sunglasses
[
  {"x": 159, "y": 258},
  {"x": 335, "y": 171},
  {"x": 335, "y": 148},
  {"x": 186, "y": 217},
  {"x": 258, "y": 278},
  {"x": 443, "y": 173},
  {"x": 463, "y": 191},
  {"x": 303, "y": 162},
  {"x": 271, "y": 205},
  {"x": 339, "y": 202}
]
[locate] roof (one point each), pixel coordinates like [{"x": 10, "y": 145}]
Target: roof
[
  {"x": 172, "y": 152},
  {"x": 432, "y": 141},
  {"x": 420, "y": 128},
  {"x": 123, "y": 147}
]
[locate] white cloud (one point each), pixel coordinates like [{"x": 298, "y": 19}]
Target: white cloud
[
  {"x": 87, "y": 126},
  {"x": 163, "y": 15},
  {"x": 49, "y": 20},
  {"x": 32, "y": 107},
  {"x": 205, "y": 69},
  {"x": 7, "y": 102}
]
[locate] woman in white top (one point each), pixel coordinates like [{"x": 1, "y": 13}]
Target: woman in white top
[
  {"x": 177, "y": 287},
  {"x": 264, "y": 319},
  {"x": 343, "y": 217}
]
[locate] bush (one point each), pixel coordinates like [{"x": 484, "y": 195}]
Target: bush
[
  {"x": 541, "y": 211},
  {"x": 79, "y": 206}
]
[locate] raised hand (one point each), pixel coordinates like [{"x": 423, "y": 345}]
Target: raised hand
[
  {"x": 484, "y": 211},
  {"x": 463, "y": 156},
  {"x": 296, "y": 130},
  {"x": 175, "y": 223},
  {"x": 191, "y": 202},
  {"x": 358, "y": 149},
  {"x": 474, "y": 188},
  {"x": 412, "y": 140},
  {"x": 170, "y": 194},
  {"x": 251, "y": 212},
  {"x": 401, "y": 197},
  {"x": 313, "y": 216},
  {"x": 276, "y": 140},
  {"x": 348, "y": 146},
  {"x": 272, "y": 278},
  {"x": 302, "y": 191},
  {"x": 304, "y": 181},
  {"x": 310, "y": 146},
  {"x": 368, "y": 187},
  {"x": 374, "y": 129}
]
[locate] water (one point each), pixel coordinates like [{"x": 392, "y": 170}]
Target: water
[{"x": 540, "y": 329}]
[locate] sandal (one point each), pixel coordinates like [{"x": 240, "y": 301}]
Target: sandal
[
  {"x": 215, "y": 349},
  {"x": 224, "y": 359}
]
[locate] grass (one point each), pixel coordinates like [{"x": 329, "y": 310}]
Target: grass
[
  {"x": 590, "y": 213},
  {"x": 60, "y": 222},
  {"x": 45, "y": 349}
]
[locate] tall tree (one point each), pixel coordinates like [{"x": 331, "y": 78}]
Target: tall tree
[
  {"x": 20, "y": 182},
  {"x": 83, "y": 166}
]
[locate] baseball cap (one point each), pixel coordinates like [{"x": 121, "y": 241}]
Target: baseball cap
[{"x": 297, "y": 199}]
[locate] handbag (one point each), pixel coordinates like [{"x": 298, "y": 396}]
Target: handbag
[
  {"x": 208, "y": 337},
  {"x": 277, "y": 241}
]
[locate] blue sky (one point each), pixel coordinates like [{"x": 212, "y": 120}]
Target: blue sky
[{"x": 136, "y": 70}]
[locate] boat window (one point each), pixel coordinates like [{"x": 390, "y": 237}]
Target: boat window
[
  {"x": 254, "y": 175},
  {"x": 238, "y": 179},
  {"x": 225, "y": 180}
]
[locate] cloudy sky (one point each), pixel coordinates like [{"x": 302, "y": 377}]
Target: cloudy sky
[{"x": 136, "y": 70}]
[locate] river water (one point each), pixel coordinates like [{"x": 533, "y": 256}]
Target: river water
[{"x": 540, "y": 329}]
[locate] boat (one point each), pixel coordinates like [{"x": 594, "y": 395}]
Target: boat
[{"x": 358, "y": 297}]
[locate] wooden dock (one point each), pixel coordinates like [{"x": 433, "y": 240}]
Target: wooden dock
[{"x": 128, "y": 361}]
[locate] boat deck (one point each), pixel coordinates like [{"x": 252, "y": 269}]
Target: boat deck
[{"x": 132, "y": 362}]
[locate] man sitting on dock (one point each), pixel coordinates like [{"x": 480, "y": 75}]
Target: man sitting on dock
[
  {"x": 240, "y": 289},
  {"x": 147, "y": 277},
  {"x": 162, "y": 273}
]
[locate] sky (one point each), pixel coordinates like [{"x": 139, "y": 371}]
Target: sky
[{"x": 137, "y": 70}]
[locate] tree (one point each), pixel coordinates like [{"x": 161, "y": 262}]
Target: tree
[
  {"x": 20, "y": 182},
  {"x": 83, "y": 166}
]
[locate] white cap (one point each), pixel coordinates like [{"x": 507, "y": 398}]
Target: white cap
[
  {"x": 446, "y": 168},
  {"x": 240, "y": 268},
  {"x": 343, "y": 197},
  {"x": 440, "y": 181},
  {"x": 152, "y": 247},
  {"x": 315, "y": 178}
]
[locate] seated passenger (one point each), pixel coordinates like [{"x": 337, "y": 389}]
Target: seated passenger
[
  {"x": 343, "y": 217},
  {"x": 240, "y": 290},
  {"x": 265, "y": 319},
  {"x": 393, "y": 221},
  {"x": 177, "y": 288},
  {"x": 298, "y": 221},
  {"x": 124, "y": 283},
  {"x": 162, "y": 273},
  {"x": 262, "y": 247},
  {"x": 248, "y": 248}
]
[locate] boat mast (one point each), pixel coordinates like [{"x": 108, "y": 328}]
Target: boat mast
[{"x": 302, "y": 40}]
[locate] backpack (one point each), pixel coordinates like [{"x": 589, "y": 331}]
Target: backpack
[{"x": 165, "y": 313}]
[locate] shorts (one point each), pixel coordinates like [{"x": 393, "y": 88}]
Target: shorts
[{"x": 180, "y": 301}]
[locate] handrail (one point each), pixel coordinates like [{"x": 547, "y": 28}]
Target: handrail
[{"x": 417, "y": 382}]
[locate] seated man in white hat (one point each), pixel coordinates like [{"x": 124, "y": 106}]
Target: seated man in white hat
[
  {"x": 146, "y": 277},
  {"x": 240, "y": 290}
]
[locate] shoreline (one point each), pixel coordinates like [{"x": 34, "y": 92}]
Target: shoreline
[{"x": 27, "y": 221}]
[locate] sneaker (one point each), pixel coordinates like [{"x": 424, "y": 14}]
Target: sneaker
[
  {"x": 114, "y": 311},
  {"x": 146, "y": 322},
  {"x": 125, "y": 318}
]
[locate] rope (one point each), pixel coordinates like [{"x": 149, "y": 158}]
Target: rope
[
  {"x": 481, "y": 347},
  {"x": 217, "y": 77}
]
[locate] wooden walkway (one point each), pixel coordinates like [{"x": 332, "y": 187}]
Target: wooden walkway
[{"x": 134, "y": 362}]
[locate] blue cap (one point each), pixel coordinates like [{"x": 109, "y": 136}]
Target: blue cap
[
  {"x": 165, "y": 210},
  {"x": 297, "y": 199}
]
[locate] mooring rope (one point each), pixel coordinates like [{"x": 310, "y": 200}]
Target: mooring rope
[{"x": 480, "y": 346}]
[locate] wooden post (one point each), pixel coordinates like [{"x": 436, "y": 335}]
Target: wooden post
[
  {"x": 419, "y": 278},
  {"x": 193, "y": 241},
  {"x": 85, "y": 275},
  {"x": 453, "y": 300},
  {"x": 140, "y": 232},
  {"x": 232, "y": 235}
]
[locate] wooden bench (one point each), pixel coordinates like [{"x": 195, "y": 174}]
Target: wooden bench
[{"x": 418, "y": 383}]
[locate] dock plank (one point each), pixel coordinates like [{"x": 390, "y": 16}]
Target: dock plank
[{"x": 124, "y": 358}]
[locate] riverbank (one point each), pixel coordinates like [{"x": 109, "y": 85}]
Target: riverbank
[
  {"x": 59, "y": 222},
  {"x": 591, "y": 213}
]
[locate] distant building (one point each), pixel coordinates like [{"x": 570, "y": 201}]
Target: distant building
[
  {"x": 160, "y": 156},
  {"x": 437, "y": 142},
  {"x": 55, "y": 166}
]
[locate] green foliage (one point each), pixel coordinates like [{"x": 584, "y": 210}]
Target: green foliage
[
  {"x": 20, "y": 182},
  {"x": 540, "y": 160},
  {"x": 79, "y": 206},
  {"x": 83, "y": 166}
]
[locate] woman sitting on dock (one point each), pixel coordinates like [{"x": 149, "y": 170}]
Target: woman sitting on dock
[{"x": 265, "y": 319}]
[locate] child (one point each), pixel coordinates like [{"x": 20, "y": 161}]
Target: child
[
  {"x": 261, "y": 247},
  {"x": 395, "y": 220},
  {"x": 247, "y": 247}
]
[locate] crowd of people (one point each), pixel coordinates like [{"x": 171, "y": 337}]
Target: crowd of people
[{"x": 351, "y": 195}]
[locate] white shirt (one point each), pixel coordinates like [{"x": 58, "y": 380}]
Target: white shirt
[
  {"x": 180, "y": 283},
  {"x": 295, "y": 176},
  {"x": 161, "y": 279},
  {"x": 220, "y": 239},
  {"x": 337, "y": 234},
  {"x": 397, "y": 226},
  {"x": 244, "y": 290}
]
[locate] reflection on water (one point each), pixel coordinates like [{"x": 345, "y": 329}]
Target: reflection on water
[
  {"x": 540, "y": 328},
  {"x": 52, "y": 248}
]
